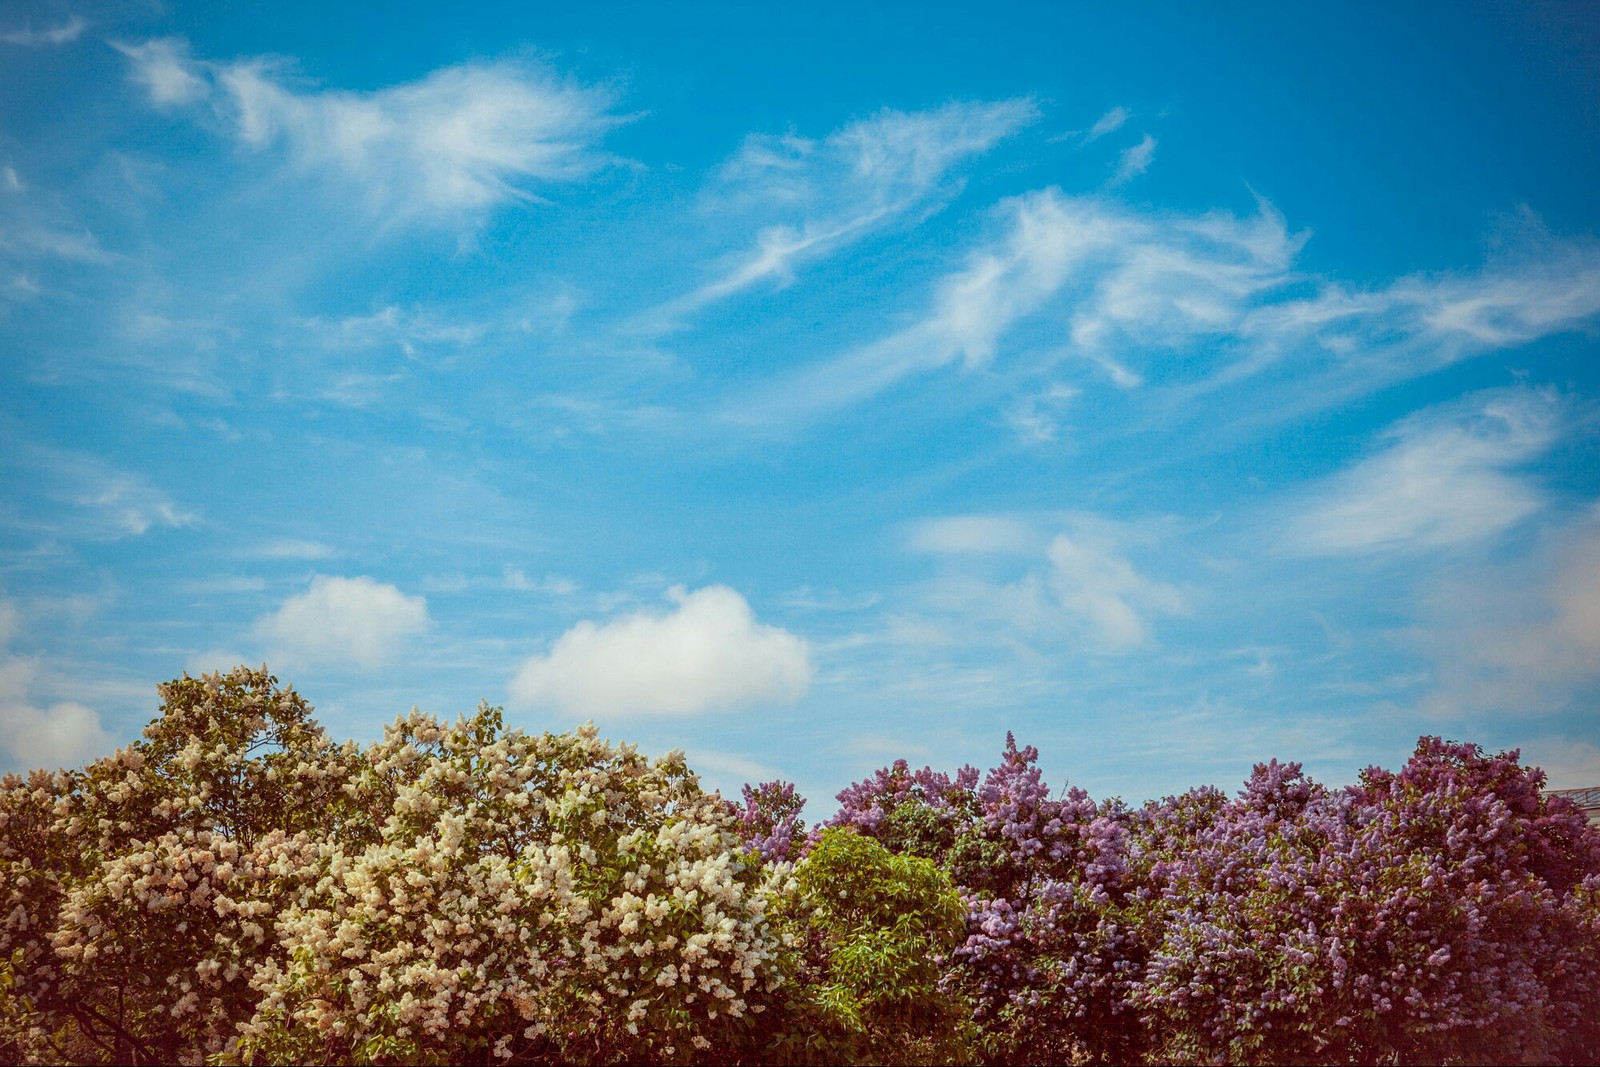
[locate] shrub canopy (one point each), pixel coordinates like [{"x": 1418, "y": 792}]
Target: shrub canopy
[{"x": 235, "y": 887}]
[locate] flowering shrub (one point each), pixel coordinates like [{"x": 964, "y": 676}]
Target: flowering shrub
[
  {"x": 235, "y": 887},
  {"x": 1443, "y": 914},
  {"x": 1050, "y": 955},
  {"x": 770, "y": 820},
  {"x": 549, "y": 896}
]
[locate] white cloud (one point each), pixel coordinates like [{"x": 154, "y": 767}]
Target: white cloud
[
  {"x": 293, "y": 548},
  {"x": 1119, "y": 279},
  {"x": 61, "y": 734},
  {"x": 64, "y": 734},
  {"x": 1521, "y": 638},
  {"x": 837, "y": 190},
  {"x": 457, "y": 142},
  {"x": 343, "y": 620},
  {"x": 1561, "y": 642},
  {"x": 1442, "y": 480},
  {"x": 1543, "y": 285},
  {"x": 125, "y": 501},
  {"x": 730, "y": 771},
  {"x": 707, "y": 654},
  {"x": 163, "y": 68},
  {"x": 1134, "y": 161},
  {"x": 1101, "y": 589},
  {"x": 1042, "y": 417},
  {"x": 1568, "y": 763},
  {"x": 1195, "y": 303},
  {"x": 31, "y": 228},
  {"x": 1079, "y": 586},
  {"x": 1110, "y": 122},
  {"x": 65, "y": 33},
  {"x": 81, "y": 497},
  {"x": 975, "y": 533},
  {"x": 407, "y": 330},
  {"x": 552, "y": 584}
]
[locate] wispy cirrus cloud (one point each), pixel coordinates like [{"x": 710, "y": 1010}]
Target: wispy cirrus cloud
[
  {"x": 1104, "y": 276},
  {"x": 1112, "y": 121},
  {"x": 977, "y": 534},
  {"x": 1419, "y": 323},
  {"x": 28, "y": 37},
  {"x": 817, "y": 196},
  {"x": 165, "y": 70},
  {"x": 38, "y": 237},
  {"x": 1444, "y": 477},
  {"x": 292, "y": 548},
  {"x": 1194, "y": 303},
  {"x": 80, "y": 497},
  {"x": 458, "y": 142},
  {"x": 1079, "y": 582},
  {"x": 1134, "y": 161}
]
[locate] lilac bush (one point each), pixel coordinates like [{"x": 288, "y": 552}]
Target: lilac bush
[
  {"x": 1444, "y": 913},
  {"x": 1050, "y": 956},
  {"x": 769, "y": 820},
  {"x": 235, "y": 886}
]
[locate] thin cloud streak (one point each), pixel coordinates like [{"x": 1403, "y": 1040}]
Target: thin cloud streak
[
  {"x": 1134, "y": 161},
  {"x": 65, "y": 33},
  {"x": 844, "y": 187}
]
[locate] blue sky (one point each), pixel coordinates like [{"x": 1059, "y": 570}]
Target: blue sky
[{"x": 808, "y": 388}]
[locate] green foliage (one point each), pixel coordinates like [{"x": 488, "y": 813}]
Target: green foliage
[{"x": 874, "y": 929}]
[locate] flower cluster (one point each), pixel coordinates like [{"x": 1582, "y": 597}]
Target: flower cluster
[
  {"x": 235, "y": 887},
  {"x": 1443, "y": 913}
]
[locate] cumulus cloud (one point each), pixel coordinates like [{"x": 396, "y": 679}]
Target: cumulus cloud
[
  {"x": 709, "y": 653},
  {"x": 1443, "y": 478},
  {"x": 457, "y": 142},
  {"x": 65, "y": 33},
  {"x": 36, "y": 734},
  {"x": 343, "y": 621},
  {"x": 822, "y": 195}
]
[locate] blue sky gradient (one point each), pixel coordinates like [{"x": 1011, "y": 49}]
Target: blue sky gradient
[{"x": 809, "y": 388}]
